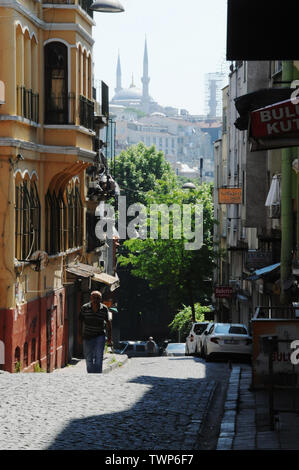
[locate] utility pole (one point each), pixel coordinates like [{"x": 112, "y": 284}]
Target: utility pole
[{"x": 288, "y": 75}]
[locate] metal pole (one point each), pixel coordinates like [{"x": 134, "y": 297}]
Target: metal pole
[{"x": 286, "y": 202}]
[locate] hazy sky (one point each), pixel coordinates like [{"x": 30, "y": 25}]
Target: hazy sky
[{"x": 186, "y": 39}]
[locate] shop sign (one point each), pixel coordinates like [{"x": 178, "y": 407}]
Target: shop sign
[
  {"x": 275, "y": 120},
  {"x": 258, "y": 259},
  {"x": 223, "y": 292},
  {"x": 230, "y": 195}
]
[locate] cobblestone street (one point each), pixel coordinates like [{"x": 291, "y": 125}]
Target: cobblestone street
[{"x": 148, "y": 403}]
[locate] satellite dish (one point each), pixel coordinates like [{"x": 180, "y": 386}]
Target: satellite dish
[{"x": 39, "y": 260}]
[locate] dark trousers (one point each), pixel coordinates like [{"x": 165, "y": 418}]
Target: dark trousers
[{"x": 94, "y": 352}]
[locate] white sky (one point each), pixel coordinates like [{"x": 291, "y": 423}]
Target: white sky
[{"x": 186, "y": 39}]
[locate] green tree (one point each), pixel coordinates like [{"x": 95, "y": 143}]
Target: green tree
[
  {"x": 137, "y": 170},
  {"x": 165, "y": 262},
  {"x": 183, "y": 319}
]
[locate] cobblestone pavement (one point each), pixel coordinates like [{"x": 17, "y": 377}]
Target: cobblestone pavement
[{"x": 148, "y": 403}]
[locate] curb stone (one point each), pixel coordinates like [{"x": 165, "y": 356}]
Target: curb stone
[
  {"x": 114, "y": 365},
  {"x": 195, "y": 426},
  {"x": 228, "y": 423}
]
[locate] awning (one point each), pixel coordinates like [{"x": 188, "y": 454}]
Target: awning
[
  {"x": 258, "y": 99},
  {"x": 262, "y": 272},
  {"x": 87, "y": 271},
  {"x": 111, "y": 281}
]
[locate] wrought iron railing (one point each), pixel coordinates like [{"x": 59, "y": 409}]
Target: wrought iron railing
[
  {"x": 60, "y": 109},
  {"x": 84, "y": 4},
  {"x": 27, "y": 104},
  {"x": 86, "y": 112}
]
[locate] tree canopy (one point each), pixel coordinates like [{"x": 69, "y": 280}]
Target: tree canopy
[{"x": 137, "y": 170}]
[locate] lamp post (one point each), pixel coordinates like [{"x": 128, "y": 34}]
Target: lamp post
[
  {"x": 191, "y": 186},
  {"x": 107, "y": 6}
]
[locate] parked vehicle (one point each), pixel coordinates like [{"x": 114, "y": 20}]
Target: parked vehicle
[
  {"x": 194, "y": 339},
  {"x": 175, "y": 349},
  {"x": 226, "y": 339},
  {"x": 132, "y": 348}
]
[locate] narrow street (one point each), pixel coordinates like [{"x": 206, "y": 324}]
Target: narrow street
[{"x": 169, "y": 403}]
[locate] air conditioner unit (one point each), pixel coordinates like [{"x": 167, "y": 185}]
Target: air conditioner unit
[{"x": 274, "y": 212}]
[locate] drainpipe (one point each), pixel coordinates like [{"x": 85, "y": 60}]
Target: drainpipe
[{"x": 286, "y": 202}]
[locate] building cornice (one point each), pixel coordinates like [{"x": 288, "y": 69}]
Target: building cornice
[
  {"x": 84, "y": 154},
  {"x": 82, "y": 12}
]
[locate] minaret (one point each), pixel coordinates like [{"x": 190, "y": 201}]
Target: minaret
[
  {"x": 145, "y": 81},
  {"x": 118, "y": 76}
]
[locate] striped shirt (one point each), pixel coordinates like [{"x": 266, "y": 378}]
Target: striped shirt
[{"x": 93, "y": 322}]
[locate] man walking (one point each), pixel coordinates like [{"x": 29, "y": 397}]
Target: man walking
[
  {"x": 151, "y": 347},
  {"x": 95, "y": 323}
]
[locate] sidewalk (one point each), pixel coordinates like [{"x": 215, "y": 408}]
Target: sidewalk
[
  {"x": 245, "y": 424},
  {"x": 111, "y": 361}
]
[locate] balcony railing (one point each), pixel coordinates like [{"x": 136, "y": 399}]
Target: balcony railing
[
  {"x": 27, "y": 104},
  {"x": 84, "y": 4},
  {"x": 86, "y": 113},
  {"x": 60, "y": 109}
]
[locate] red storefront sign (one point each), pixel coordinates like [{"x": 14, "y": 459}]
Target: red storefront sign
[
  {"x": 275, "y": 120},
  {"x": 223, "y": 292}
]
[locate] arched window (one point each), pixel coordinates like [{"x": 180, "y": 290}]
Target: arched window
[
  {"x": 56, "y": 83},
  {"x": 27, "y": 218},
  {"x": 64, "y": 219}
]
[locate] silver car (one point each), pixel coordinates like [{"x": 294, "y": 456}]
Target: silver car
[{"x": 222, "y": 339}]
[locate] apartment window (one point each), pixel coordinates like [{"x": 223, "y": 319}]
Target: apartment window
[
  {"x": 56, "y": 83},
  {"x": 27, "y": 219}
]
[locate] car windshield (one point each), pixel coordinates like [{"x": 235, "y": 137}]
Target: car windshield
[
  {"x": 199, "y": 329},
  {"x": 231, "y": 329}
]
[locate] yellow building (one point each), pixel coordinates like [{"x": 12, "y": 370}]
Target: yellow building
[{"x": 47, "y": 140}]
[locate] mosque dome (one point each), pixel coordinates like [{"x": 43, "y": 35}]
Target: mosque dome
[{"x": 132, "y": 93}]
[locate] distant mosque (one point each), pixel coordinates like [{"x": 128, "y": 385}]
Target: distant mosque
[{"x": 134, "y": 97}]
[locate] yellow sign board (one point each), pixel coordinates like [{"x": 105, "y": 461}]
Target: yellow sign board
[{"x": 230, "y": 195}]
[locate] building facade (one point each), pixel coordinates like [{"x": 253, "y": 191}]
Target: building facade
[
  {"x": 250, "y": 229},
  {"x": 47, "y": 141}
]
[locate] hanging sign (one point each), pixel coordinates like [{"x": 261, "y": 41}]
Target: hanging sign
[
  {"x": 230, "y": 195},
  {"x": 223, "y": 292},
  {"x": 275, "y": 120}
]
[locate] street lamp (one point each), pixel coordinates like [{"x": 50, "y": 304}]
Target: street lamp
[
  {"x": 189, "y": 186},
  {"x": 107, "y": 6}
]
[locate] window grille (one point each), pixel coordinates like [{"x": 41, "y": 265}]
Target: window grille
[{"x": 27, "y": 219}]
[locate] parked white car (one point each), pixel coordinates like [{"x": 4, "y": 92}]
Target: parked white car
[
  {"x": 226, "y": 339},
  {"x": 194, "y": 339}
]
